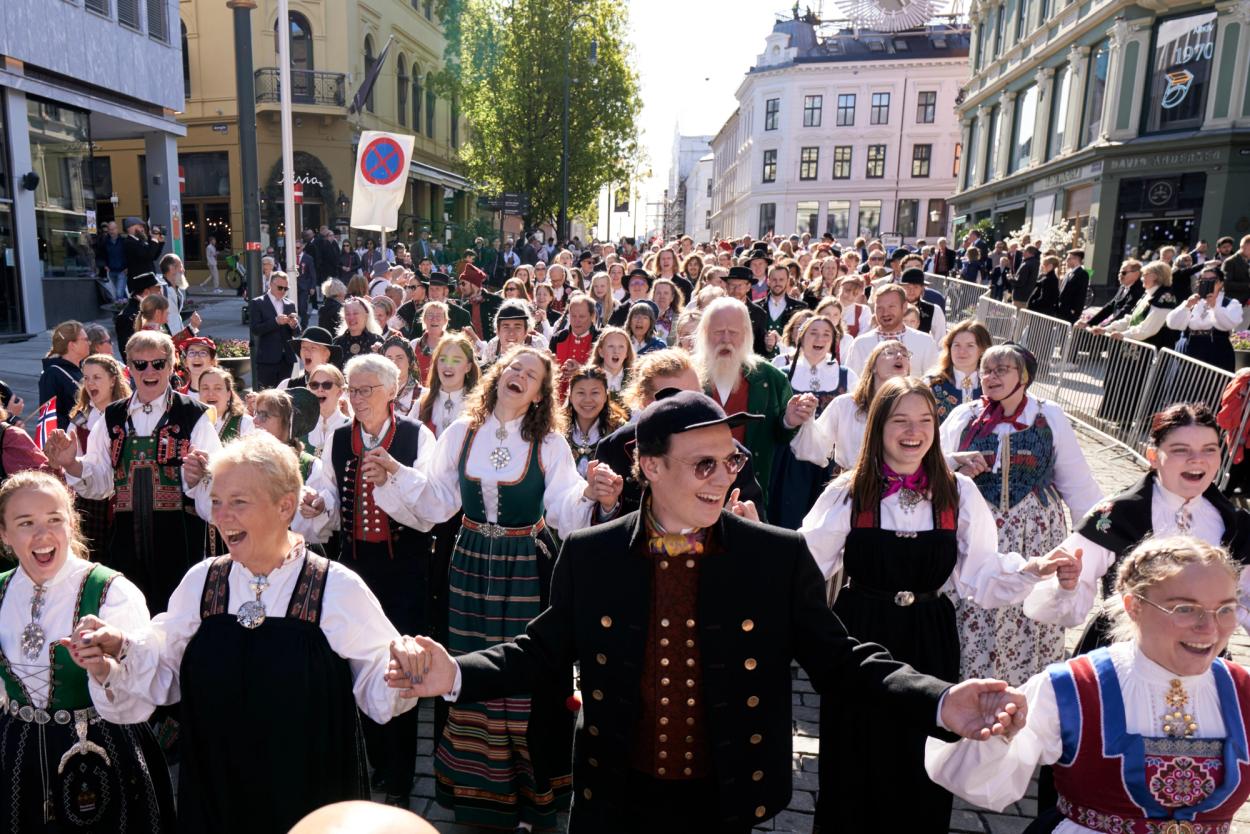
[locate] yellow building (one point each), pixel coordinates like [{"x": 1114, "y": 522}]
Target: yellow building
[{"x": 333, "y": 42}]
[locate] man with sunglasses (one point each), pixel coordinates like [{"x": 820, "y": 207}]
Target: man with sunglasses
[
  {"x": 1125, "y": 298},
  {"x": 685, "y": 617},
  {"x": 275, "y": 324},
  {"x": 135, "y": 456}
]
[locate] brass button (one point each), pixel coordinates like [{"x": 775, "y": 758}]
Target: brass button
[
  {"x": 597, "y": 695},
  {"x": 605, "y": 621},
  {"x": 747, "y": 625},
  {"x": 663, "y": 737},
  {"x": 687, "y": 771},
  {"x": 664, "y": 623},
  {"x": 759, "y": 812},
  {"x": 601, "y": 659},
  {"x": 663, "y": 565},
  {"x": 750, "y": 663},
  {"x": 663, "y": 641},
  {"x": 593, "y": 730},
  {"x": 689, "y": 722},
  {"x": 756, "y": 738},
  {"x": 664, "y": 702},
  {"x": 690, "y": 702},
  {"x": 586, "y": 793},
  {"x": 689, "y": 623},
  {"x": 690, "y": 661},
  {"x": 689, "y": 756},
  {"x": 690, "y": 563},
  {"x": 663, "y": 754},
  {"x": 757, "y": 776},
  {"x": 689, "y": 644},
  {"x": 592, "y": 761},
  {"x": 663, "y": 661},
  {"x": 664, "y": 722},
  {"x": 753, "y": 701},
  {"x": 689, "y": 739},
  {"x": 662, "y": 771},
  {"x": 664, "y": 681},
  {"x": 690, "y": 683}
]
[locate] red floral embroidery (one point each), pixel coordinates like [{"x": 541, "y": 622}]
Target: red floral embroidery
[{"x": 1181, "y": 782}]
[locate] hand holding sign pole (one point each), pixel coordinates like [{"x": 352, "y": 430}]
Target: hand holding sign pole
[{"x": 381, "y": 177}]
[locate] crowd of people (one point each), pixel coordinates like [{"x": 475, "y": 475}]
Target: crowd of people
[{"x": 595, "y": 506}]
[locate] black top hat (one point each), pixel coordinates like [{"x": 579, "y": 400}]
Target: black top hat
[
  {"x": 138, "y": 283},
  {"x": 740, "y": 273},
  {"x": 439, "y": 279},
  {"x": 759, "y": 251},
  {"x": 674, "y": 412}
]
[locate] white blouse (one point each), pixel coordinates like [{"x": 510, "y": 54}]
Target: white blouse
[
  {"x": 616, "y": 381},
  {"x": 837, "y": 434},
  {"x": 325, "y": 429},
  {"x": 407, "y": 400},
  {"x": 825, "y": 373},
  {"x": 123, "y": 606},
  {"x": 96, "y": 482},
  {"x": 982, "y": 574},
  {"x": 965, "y": 391},
  {"x": 1202, "y": 317},
  {"x": 351, "y": 619},
  {"x": 993, "y": 774},
  {"x": 1155, "y": 320},
  {"x": 923, "y": 351},
  {"x": 447, "y": 409},
  {"x": 1073, "y": 477},
  {"x": 329, "y": 520},
  {"x": 1051, "y": 604},
  {"x": 429, "y": 493},
  {"x": 246, "y": 424},
  {"x": 319, "y": 528}
]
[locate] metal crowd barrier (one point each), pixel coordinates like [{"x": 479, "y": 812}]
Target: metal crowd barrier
[
  {"x": 1048, "y": 339},
  {"x": 961, "y": 296},
  {"x": 999, "y": 318}
]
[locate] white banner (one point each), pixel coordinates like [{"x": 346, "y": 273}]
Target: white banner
[{"x": 381, "y": 177}]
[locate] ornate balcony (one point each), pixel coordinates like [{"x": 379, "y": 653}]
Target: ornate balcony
[{"x": 323, "y": 89}]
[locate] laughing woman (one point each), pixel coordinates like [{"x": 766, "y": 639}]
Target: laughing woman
[
  {"x": 326, "y": 384},
  {"x": 1023, "y": 455},
  {"x": 230, "y": 416},
  {"x": 64, "y": 767},
  {"x": 502, "y": 763},
  {"x": 103, "y": 382},
  {"x": 905, "y": 531}
]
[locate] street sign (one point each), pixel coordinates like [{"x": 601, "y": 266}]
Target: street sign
[
  {"x": 509, "y": 203},
  {"x": 382, "y": 161},
  {"x": 297, "y": 193}
]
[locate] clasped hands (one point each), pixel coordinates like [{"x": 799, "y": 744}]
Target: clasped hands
[{"x": 94, "y": 645}]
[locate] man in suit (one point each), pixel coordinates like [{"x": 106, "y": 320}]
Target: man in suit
[
  {"x": 1026, "y": 276},
  {"x": 778, "y": 307},
  {"x": 274, "y": 324},
  {"x": 1073, "y": 288},
  {"x": 738, "y": 284},
  {"x": 139, "y": 285},
  {"x": 140, "y": 251},
  {"x": 685, "y": 641},
  {"x": 1125, "y": 298}
]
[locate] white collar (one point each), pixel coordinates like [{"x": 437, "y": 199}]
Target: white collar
[
  {"x": 71, "y": 565},
  {"x": 376, "y": 438},
  {"x": 1169, "y": 499},
  {"x": 960, "y": 376},
  {"x": 158, "y": 404},
  {"x": 1151, "y": 672}
]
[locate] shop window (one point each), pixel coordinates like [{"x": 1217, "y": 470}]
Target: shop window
[
  {"x": 807, "y": 216},
  {"x": 869, "y": 218},
  {"x": 838, "y": 218}
]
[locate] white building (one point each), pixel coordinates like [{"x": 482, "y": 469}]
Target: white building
[
  {"x": 687, "y": 151},
  {"x": 853, "y": 133},
  {"x": 699, "y": 185}
]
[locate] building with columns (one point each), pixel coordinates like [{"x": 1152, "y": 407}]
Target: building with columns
[
  {"x": 843, "y": 130},
  {"x": 1130, "y": 120},
  {"x": 74, "y": 74}
]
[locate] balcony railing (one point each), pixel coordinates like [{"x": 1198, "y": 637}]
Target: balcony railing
[{"x": 307, "y": 87}]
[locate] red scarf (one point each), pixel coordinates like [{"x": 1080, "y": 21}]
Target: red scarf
[{"x": 992, "y": 415}]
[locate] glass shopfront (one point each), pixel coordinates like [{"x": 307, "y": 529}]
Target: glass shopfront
[
  {"x": 60, "y": 150},
  {"x": 10, "y": 295},
  {"x": 205, "y": 199}
]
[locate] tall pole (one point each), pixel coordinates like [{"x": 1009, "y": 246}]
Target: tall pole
[
  {"x": 288, "y": 154},
  {"x": 245, "y": 91},
  {"x": 607, "y": 235},
  {"x": 562, "y": 232}
]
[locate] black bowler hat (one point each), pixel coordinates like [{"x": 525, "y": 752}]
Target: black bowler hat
[
  {"x": 138, "y": 283},
  {"x": 674, "y": 412},
  {"x": 759, "y": 252},
  {"x": 740, "y": 273},
  {"x": 899, "y": 253},
  {"x": 323, "y": 337},
  {"x": 586, "y": 256},
  {"x": 439, "y": 279},
  {"x": 913, "y": 276},
  {"x": 638, "y": 272}
]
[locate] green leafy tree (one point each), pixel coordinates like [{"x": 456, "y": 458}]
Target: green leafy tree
[{"x": 505, "y": 65}]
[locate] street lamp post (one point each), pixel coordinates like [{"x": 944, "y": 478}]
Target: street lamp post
[{"x": 562, "y": 233}]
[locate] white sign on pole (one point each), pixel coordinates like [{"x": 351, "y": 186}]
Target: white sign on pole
[{"x": 381, "y": 177}]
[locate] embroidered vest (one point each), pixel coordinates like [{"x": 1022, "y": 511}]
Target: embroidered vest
[
  {"x": 359, "y": 513},
  {"x": 1111, "y": 780},
  {"x": 1031, "y": 468},
  {"x": 160, "y": 452}
]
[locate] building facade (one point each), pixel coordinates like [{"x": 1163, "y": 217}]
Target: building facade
[
  {"x": 1127, "y": 121},
  {"x": 76, "y": 73},
  {"x": 700, "y": 183},
  {"x": 687, "y": 150},
  {"x": 333, "y": 44},
  {"x": 850, "y": 132}
]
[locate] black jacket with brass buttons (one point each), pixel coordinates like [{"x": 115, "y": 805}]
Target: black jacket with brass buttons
[{"x": 761, "y": 605}]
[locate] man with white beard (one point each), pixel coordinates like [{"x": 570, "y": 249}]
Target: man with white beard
[
  {"x": 738, "y": 379},
  {"x": 889, "y": 304}
]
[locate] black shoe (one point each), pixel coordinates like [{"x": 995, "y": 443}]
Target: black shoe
[{"x": 397, "y": 800}]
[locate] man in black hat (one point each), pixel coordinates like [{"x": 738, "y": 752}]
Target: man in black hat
[
  {"x": 513, "y": 327},
  {"x": 140, "y": 250},
  {"x": 758, "y": 260},
  {"x": 685, "y": 639},
  {"x": 139, "y": 285},
  {"x": 316, "y": 348},
  {"x": 932, "y": 318},
  {"x": 638, "y": 287},
  {"x": 778, "y": 307},
  {"x": 738, "y": 284}
]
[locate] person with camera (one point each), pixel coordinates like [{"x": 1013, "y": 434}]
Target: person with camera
[
  {"x": 1206, "y": 319},
  {"x": 141, "y": 249}
]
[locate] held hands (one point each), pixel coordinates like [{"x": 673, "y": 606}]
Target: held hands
[
  {"x": 378, "y": 466},
  {"x": 94, "y": 645},
  {"x": 800, "y": 409},
  {"x": 61, "y": 449},
  {"x": 194, "y": 467},
  {"x": 980, "y": 709},
  {"x": 770, "y": 339},
  {"x": 603, "y": 485},
  {"x": 971, "y": 464},
  {"x": 746, "y": 509},
  {"x": 1117, "y": 335},
  {"x": 1065, "y": 565},
  {"x": 195, "y": 321},
  {"x": 420, "y": 668},
  {"x": 311, "y": 504}
]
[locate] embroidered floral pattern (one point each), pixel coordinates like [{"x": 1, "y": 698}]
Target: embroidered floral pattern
[
  {"x": 1180, "y": 782},
  {"x": 1103, "y": 523}
]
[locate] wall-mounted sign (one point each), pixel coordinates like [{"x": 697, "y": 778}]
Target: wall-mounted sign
[
  {"x": 1161, "y": 193},
  {"x": 221, "y": 127},
  {"x": 1181, "y": 71}
]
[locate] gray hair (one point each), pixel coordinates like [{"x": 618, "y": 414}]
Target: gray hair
[
  {"x": 372, "y": 363},
  {"x": 732, "y": 305},
  {"x": 334, "y": 288},
  {"x": 371, "y": 324},
  {"x": 275, "y": 463}
]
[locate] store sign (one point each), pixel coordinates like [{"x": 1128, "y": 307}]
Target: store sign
[
  {"x": 1161, "y": 193},
  {"x": 1173, "y": 159},
  {"x": 1181, "y": 71}
]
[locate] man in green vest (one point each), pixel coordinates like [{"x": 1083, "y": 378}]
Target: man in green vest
[{"x": 738, "y": 379}]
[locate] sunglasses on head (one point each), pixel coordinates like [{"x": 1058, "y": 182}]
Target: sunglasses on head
[{"x": 142, "y": 364}]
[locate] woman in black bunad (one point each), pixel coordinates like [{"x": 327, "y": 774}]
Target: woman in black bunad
[
  {"x": 66, "y": 766},
  {"x": 360, "y": 333},
  {"x": 904, "y": 529},
  {"x": 399, "y": 351},
  {"x": 242, "y": 629},
  {"x": 1177, "y": 497}
]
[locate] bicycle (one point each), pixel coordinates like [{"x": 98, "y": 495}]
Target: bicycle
[{"x": 236, "y": 272}]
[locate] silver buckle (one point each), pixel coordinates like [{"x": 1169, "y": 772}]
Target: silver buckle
[
  {"x": 904, "y": 598},
  {"x": 62, "y": 716},
  {"x": 493, "y": 531}
]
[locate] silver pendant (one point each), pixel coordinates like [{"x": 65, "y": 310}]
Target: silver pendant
[
  {"x": 500, "y": 457},
  {"x": 908, "y": 499},
  {"x": 251, "y": 614},
  {"x": 32, "y": 642}
]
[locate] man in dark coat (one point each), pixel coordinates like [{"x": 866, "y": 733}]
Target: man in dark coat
[
  {"x": 1125, "y": 298},
  {"x": 778, "y": 306},
  {"x": 140, "y": 250},
  {"x": 650, "y": 613},
  {"x": 738, "y": 284},
  {"x": 139, "y": 284},
  {"x": 1237, "y": 273},
  {"x": 1026, "y": 276},
  {"x": 274, "y": 324},
  {"x": 1073, "y": 288},
  {"x": 477, "y": 302}
]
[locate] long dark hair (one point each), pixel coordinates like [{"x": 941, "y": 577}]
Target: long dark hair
[
  {"x": 868, "y": 476},
  {"x": 613, "y": 415},
  {"x": 1178, "y": 417}
]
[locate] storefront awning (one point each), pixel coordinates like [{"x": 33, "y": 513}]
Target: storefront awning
[{"x": 437, "y": 176}]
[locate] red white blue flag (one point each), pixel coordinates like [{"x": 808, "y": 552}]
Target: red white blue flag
[{"x": 45, "y": 422}]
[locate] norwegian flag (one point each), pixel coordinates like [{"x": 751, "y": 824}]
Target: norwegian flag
[{"x": 45, "y": 422}]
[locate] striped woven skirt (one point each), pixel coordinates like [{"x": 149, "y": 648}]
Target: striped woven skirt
[{"x": 484, "y": 767}]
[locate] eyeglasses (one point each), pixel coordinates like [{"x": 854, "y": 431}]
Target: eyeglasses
[
  {"x": 1187, "y": 615},
  {"x": 278, "y": 287},
  {"x": 362, "y": 390},
  {"x": 998, "y": 371},
  {"x": 321, "y": 386},
  {"x": 896, "y": 354},
  {"x": 261, "y": 416},
  {"x": 142, "y": 364},
  {"x": 704, "y": 468},
  {"x": 197, "y": 354}
]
